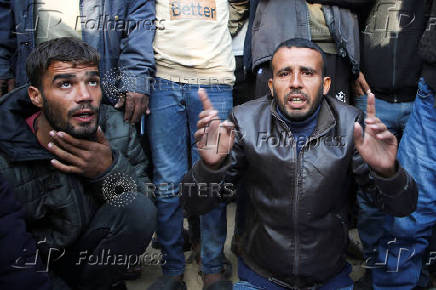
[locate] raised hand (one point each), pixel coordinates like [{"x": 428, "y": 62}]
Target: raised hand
[
  {"x": 377, "y": 146},
  {"x": 214, "y": 138},
  {"x": 83, "y": 157}
]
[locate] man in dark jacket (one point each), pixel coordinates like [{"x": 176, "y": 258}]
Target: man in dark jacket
[
  {"x": 121, "y": 31},
  {"x": 400, "y": 252},
  {"x": 20, "y": 268},
  {"x": 391, "y": 70},
  {"x": 76, "y": 167},
  {"x": 296, "y": 155}
]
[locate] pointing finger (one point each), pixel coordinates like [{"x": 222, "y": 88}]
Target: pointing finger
[
  {"x": 370, "y": 106},
  {"x": 207, "y": 105}
]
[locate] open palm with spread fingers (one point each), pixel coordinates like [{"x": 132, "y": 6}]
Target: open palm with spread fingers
[
  {"x": 214, "y": 138},
  {"x": 377, "y": 146}
]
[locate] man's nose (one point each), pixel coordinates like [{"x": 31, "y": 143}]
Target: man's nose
[
  {"x": 83, "y": 93},
  {"x": 296, "y": 81}
]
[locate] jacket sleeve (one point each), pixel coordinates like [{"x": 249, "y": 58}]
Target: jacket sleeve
[
  {"x": 20, "y": 266},
  {"x": 238, "y": 13},
  {"x": 128, "y": 169},
  {"x": 396, "y": 195},
  {"x": 136, "y": 55},
  {"x": 204, "y": 188},
  {"x": 7, "y": 39}
]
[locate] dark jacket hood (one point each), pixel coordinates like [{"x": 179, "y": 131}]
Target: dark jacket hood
[{"x": 17, "y": 141}]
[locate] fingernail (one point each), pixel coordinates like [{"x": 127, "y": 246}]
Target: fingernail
[
  {"x": 51, "y": 133},
  {"x": 60, "y": 134},
  {"x": 50, "y": 144}
]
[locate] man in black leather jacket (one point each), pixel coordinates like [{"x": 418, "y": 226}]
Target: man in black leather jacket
[{"x": 296, "y": 155}]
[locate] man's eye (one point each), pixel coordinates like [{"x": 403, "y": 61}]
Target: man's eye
[
  {"x": 93, "y": 83},
  {"x": 307, "y": 73},
  {"x": 284, "y": 74},
  {"x": 66, "y": 85}
]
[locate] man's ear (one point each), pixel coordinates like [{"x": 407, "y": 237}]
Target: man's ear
[
  {"x": 35, "y": 96},
  {"x": 270, "y": 85},
  {"x": 327, "y": 81}
]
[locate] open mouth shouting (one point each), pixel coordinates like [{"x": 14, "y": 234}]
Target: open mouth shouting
[
  {"x": 297, "y": 101},
  {"x": 85, "y": 115}
]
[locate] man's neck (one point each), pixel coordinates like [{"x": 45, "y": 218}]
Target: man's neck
[
  {"x": 298, "y": 123},
  {"x": 43, "y": 129}
]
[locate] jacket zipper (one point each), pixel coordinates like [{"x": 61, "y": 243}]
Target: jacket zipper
[
  {"x": 296, "y": 237},
  {"x": 294, "y": 197}
]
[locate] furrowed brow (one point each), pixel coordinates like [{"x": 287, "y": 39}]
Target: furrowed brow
[
  {"x": 92, "y": 74},
  {"x": 64, "y": 76},
  {"x": 288, "y": 68},
  {"x": 307, "y": 69}
]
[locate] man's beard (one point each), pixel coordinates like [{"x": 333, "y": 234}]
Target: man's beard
[
  {"x": 87, "y": 131},
  {"x": 295, "y": 116}
]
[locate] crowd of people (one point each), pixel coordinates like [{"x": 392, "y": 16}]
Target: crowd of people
[{"x": 121, "y": 121}]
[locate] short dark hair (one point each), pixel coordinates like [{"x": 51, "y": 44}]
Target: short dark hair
[
  {"x": 302, "y": 43},
  {"x": 67, "y": 49}
]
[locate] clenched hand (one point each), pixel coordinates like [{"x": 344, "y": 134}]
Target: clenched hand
[{"x": 135, "y": 105}]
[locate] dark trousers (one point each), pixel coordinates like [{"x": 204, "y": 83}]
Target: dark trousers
[
  {"x": 113, "y": 239},
  {"x": 337, "y": 68},
  {"x": 243, "y": 90}
]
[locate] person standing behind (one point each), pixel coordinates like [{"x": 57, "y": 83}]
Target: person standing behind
[
  {"x": 390, "y": 70},
  {"x": 121, "y": 31},
  {"x": 194, "y": 50},
  {"x": 417, "y": 154}
]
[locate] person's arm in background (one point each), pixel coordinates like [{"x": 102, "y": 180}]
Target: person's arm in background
[
  {"x": 137, "y": 58},
  {"x": 7, "y": 46},
  {"x": 354, "y": 5},
  {"x": 238, "y": 12},
  {"x": 360, "y": 85},
  {"x": 20, "y": 267}
]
